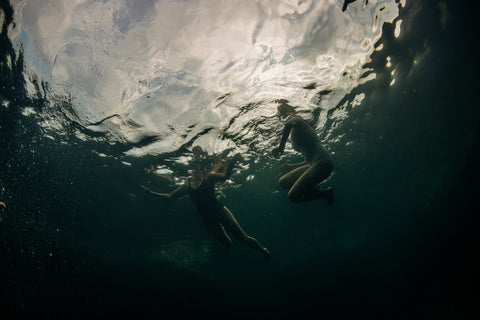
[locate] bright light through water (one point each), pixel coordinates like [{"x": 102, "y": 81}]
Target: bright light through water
[{"x": 204, "y": 72}]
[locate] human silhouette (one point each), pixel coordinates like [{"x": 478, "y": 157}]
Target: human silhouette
[
  {"x": 201, "y": 187},
  {"x": 303, "y": 179}
]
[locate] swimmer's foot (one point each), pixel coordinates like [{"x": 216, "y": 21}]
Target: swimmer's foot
[
  {"x": 266, "y": 254},
  {"x": 329, "y": 195}
]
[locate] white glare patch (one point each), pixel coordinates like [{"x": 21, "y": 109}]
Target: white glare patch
[
  {"x": 101, "y": 155},
  {"x": 31, "y": 90},
  {"x": 358, "y": 99},
  {"x": 380, "y": 47},
  {"x": 163, "y": 171},
  {"x": 397, "y": 28},
  {"x": 392, "y": 83},
  {"x": 9, "y": 61},
  {"x": 81, "y": 135},
  {"x": 28, "y": 111},
  {"x": 250, "y": 177},
  {"x": 182, "y": 160},
  {"x": 5, "y": 104},
  {"x": 126, "y": 163}
]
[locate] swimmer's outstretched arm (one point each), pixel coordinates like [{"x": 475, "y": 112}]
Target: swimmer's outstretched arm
[
  {"x": 286, "y": 132},
  {"x": 175, "y": 194}
]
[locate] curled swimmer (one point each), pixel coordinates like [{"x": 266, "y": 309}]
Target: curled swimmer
[
  {"x": 201, "y": 188},
  {"x": 303, "y": 179}
]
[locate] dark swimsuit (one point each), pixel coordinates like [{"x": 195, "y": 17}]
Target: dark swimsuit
[{"x": 205, "y": 200}]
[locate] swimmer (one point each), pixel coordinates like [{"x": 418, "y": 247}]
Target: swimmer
[
  {"x": 303, "y": 179},
  {"x": 218, "y": 219}
]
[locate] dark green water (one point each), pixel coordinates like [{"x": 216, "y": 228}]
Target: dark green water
[{"x": 80, "y": 239}]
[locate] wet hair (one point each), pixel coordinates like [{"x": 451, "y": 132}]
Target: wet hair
[
  {"x": 197, "y": 150},
  {"x": 200, "y": 160}
]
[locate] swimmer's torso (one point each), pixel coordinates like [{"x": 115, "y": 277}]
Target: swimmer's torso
[
  {"x": 204, "y": 198},
  {"x": 306, "y": 141}
]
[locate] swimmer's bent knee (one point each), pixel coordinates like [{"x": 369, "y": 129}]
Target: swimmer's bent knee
[{"x": 284, "y": 183}]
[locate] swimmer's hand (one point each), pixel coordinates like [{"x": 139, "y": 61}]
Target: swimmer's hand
[{"x": 276, "y": 152}]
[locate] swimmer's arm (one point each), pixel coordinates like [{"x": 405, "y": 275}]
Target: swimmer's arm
[
  {"x": 175, "y": 194},
  {"x": 222, "y": 176},
  {"x": 286, "y": 132}
]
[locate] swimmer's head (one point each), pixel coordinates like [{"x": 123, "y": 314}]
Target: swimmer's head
[
  {"x": 200, "y": 160},
  {"x": 197, "y": 152},
  {"x": 285, "y": 110}
]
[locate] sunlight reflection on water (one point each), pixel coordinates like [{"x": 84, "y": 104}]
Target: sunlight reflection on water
[{"x": 202, "y": 71}]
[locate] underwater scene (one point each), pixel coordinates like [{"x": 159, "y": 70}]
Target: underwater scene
[{"x": 147, "y": 150}]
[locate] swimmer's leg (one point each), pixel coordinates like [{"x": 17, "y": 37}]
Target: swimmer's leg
[
  {"x": 306, "y": 189},
  {"x": 217, "y": 230},
  {"x": 231, "y": 224},
  {"x": 288, "y": 179}
]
